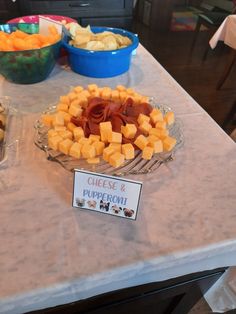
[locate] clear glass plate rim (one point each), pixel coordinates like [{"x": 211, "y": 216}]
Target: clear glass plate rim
[{"x": 64, "y": 160}]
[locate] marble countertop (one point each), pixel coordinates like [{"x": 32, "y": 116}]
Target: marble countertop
[{"x": 51, "y": 253}]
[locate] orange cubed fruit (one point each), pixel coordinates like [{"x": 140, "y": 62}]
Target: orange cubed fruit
[
  {"x": 19, "y": 44},
  {"x": 20, "y": 34}
]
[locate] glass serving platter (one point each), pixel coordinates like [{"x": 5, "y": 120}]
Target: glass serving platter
[{"x": 134, "y": 166}]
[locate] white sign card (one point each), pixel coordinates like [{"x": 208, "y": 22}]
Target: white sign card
[{"x": 106, "y": 194}]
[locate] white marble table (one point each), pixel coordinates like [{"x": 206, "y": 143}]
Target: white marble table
[{"x": 51, "y": 253}]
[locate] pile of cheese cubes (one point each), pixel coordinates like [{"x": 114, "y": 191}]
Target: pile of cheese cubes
[
  {"x": 155, "y": 139},
  {"x": 66, "y": 137}
]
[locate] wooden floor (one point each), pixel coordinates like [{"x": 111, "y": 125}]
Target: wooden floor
[{"x": 199, "y": 79}]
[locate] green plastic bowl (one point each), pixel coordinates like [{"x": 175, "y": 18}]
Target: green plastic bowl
[{"x": 27, "y": 66}]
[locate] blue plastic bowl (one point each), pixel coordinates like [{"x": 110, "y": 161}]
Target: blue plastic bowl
[{"x": 101, "y": 64}]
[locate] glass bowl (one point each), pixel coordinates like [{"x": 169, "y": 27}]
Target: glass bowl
[{"x": 27, "y": 66}]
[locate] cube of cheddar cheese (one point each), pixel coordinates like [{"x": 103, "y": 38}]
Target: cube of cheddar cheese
[
  {"x": 92, "y": 87},
  {"x": 129, "y": 130},
  {"x": 58, "y": 119},
  {"x": 141, "y": 141},
  {"x": 115, "y": 95},
  {"x": 137, "y": 98},
  {"x": 99, "y": 147},
  {"x": 152, "y": 138},
  {"x": 95, "y": 93},
  {"x": 116, "y": 160},
  {"x": 145, "y": 127},
  {"x": 71, "y": 126},
  {"x": 169, "y": 143},
  {"x": 105, "y": 126},
  {"x": 147, "y": 153},
  {"x": 82, "y": 100},
  {"x": 66, "y": 115},
  {"x": 88, "y": 151},
  {"x": 75, "y": 110},
  {"x": 52, "y": 132},
  {"x": 107, "y": 152},
  {"x": 75, "y": 150},
  {"x": 53, "y": 141},
  {"x": 66, "y": 134},
  {"x": 156, "y": 115},
  {"x": 163, "y": 133},
  {"x": 160, "y": 133},
  {"x": 78, "y": 132},
  {"x": 130, "y": 91},
  {"x": 84, "y": 140},
  {"x": 72, "y": 96},
  {"x": 106, "y": 93},
  {"x": 160, "y": 125},
  {"x": 169, "y": 117},
  {"x": 123, "y": 96},
  {"x": 114, "y": 137},
  {"x": 65, "y": 145},
  {"x": 2, "y": 134},
  {"x": 59, "y": 128},
  {"x": 142, "y": 117},
  {"x": 75, "y": 103},
  {"x": 62, "y": 107},
  {"x": 144, "y": 99},
  {"x": 116, "y": 146},
  {"x": 94, "y": 138},
  {"x": 47, "y": 119},
  {"x": 105, "y": 129},
  {"x": 78, "y": 89},
  {"x": 155, "y": 132},
  {"x": 121, "y": 88},
  {"x": 84, "y": 94},
  {"x": 65, "y": 99},
  {"x": 128, "y": 151},
  {"x": 95, "y": 160},
  {"x": 157, "y": 146}
]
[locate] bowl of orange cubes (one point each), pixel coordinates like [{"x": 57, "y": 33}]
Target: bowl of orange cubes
[{"x": 27, "y": 57}]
